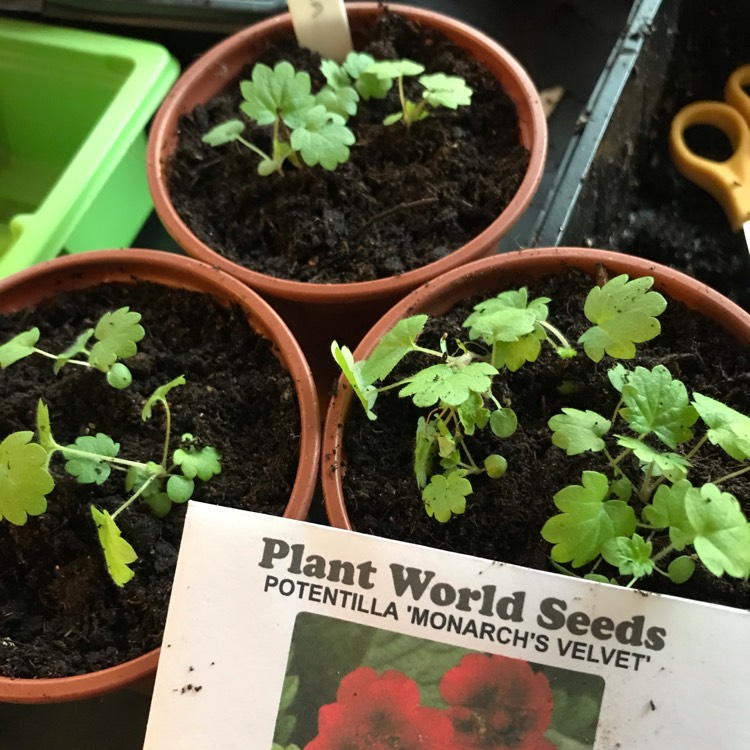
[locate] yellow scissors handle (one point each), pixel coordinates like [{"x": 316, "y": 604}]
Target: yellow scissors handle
[
  {"x": 727, "y": 181},
  {"x": 735, "y": 92}
]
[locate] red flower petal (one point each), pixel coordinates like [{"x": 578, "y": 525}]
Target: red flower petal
[
  {"x": 380, "y": 713},
  {"x": 510, "y": 706}
]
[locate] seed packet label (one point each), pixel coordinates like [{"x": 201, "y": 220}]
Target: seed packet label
[
  {"x": 322, "y": 26},
  {"x": 286, "y": 634}
]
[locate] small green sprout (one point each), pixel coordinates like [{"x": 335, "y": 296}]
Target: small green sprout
[
  {"x": 304, "y": 129},
  {"x": 505, "y": 332},
  {"x": 116, "y": 336},
  {"x": 439, "y": 90},
  {"x": 25, "y": 479},
  {"x": 600, "y": 519},
  {"x": 311, "y": 128}
]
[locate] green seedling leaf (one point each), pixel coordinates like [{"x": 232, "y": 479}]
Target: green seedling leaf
[
  {"x": 671, "y": 465},
  {"x": 227, "y": 132},
  {"x": 448, "y": 385},
  {"x": 390, "y": 69},
  {"x": 631, "y": 556},
  {"x": 322, "y": 138},
  {"x": 667, "y": 511},
  {"x": 729, "y": 428},
  {"x": 621, "y": 489},
  {"x": 119, "y": 376},
  {"x": 587, "y": 521},
  {"x": 180, "y": 489},
  {"x": 445, "y": 496},
  {"x": 118, "y": 553},
  {"x": 503, "y": 422},
  {"x": 424, "y": 449},
  {"x": 18, "y": 347},
  {"x": 495, "y": 465},
  {"x": 77, "y": 347},
  {"x": 278, "y": 92},
  {"x": 577, "y": 431},
  {"x": 473, "y": 414},
  {"x": 339, "y": 96},
  {"x": 368, "y": 85},
  {"x": 722, "y": 533},
  {"x": 392, "y": 348},
  {"x": 599, "y": 578},
  {"x": 445, "y": 91},
  {"x": 681, "y": 569},
  {"x": 624, "y": 313},
  {"x": 160, "y": 396},
  {"x": 657, "y": 403},
  {"x": 92, "y": 468},
  {"x": 618, "y": 376},
  {"x": 24, "y": 478},
  {"x": 160, "y": 504},
  {"x": 203, "y": 463},
  {"x": 117, "y": 334},
  {"x": 44, "y": 429},
  {"x": 353, "y": 373}
]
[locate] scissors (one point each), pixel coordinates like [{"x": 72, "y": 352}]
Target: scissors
[{"x": 727, "y": 181}]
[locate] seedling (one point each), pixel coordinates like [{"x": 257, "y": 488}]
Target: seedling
[
  {"x": 304, "y": 130},
  {"x": 598, "y": 520},
  {"x": 601, "y": 518},
  {"x": 116, "y": 336},
  {"x": 310, "y": 128},
  {"x": 440, "y": 90},
  {"x": 25, "y": 478}
]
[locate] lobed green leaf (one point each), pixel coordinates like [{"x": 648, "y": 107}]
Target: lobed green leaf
[
  {"x": 118, "y": 552},
  {"x": 445, "y": 496},
  {"x": 728, "y": 428},
  {"x": 392, "y": 348},
  {"x": 671, "y": 465},
  {"x": 657, "y": 403},
  {"x": 24, "y": 478},
  {"x": 92, "y": 468},
  {"x": 390, "y": 69},
  {"x": 278, "y": 92},
  {"x": 624, "y": 313},
  {"x": 577, "y": 431},
  {"x": 630, "y": 555},
  {"x": 117, "y": 334},
  {"x": 442, "y": 383},
  {"x": 322, "y": 138},
  {"x": 368, "y": 85},
  {"x": 587, "y": 521},
  {"x": 722, "y": 533},
  {"x": 203, "y": 463},
  {"x": 445, "y": 91}
]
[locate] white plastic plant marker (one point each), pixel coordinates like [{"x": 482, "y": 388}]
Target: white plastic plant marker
[{"x": 322, "y": 26}]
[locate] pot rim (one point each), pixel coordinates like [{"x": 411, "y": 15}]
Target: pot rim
[
  {"x": 78, "y": 271},
  {"x": 210, "y": 67},
  {"x": 453, "y": 284}
]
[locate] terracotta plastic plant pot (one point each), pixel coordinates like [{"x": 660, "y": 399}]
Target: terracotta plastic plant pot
[
  {"x": 483, "y": 277},
  {"x": 318, "y": 312},
  {"x": 71, "y": 272}
]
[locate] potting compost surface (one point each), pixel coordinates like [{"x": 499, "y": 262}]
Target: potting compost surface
[
  {"x": 405, "y": 198},
  {"x": 61, "y": 613},
  {"x": 503, "y": 517}
]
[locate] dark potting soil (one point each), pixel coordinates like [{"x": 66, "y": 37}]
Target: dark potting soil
[
  {"x": 635, "y": 200},
  {"x": 503, "y": 517},
  {"x": 404, "y": 199},
  {"x": 60, "y": 612}
]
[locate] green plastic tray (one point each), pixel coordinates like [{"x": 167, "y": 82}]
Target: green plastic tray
[{"x": 73, "y": 110}]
